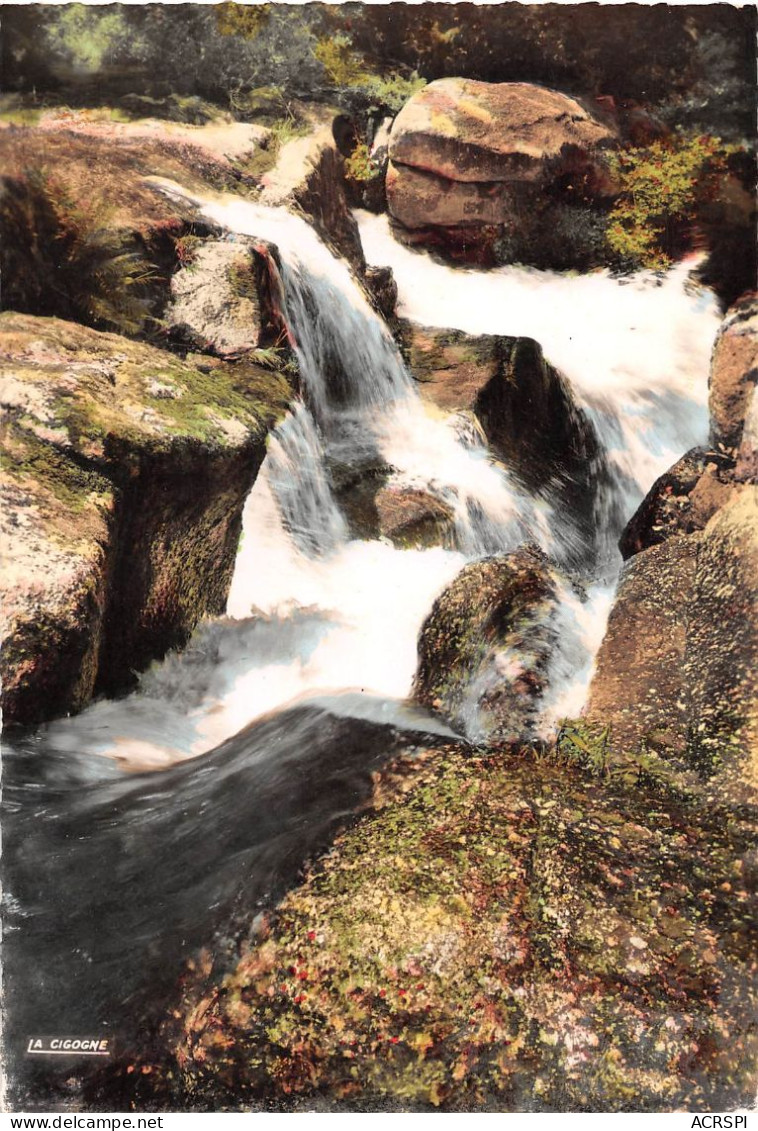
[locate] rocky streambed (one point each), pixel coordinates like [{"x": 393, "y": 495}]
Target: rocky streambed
[{"x": 394, "y": 542}]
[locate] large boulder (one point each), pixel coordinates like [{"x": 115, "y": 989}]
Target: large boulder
[
  {"x": 125, "y": 471},
  {"x": 734, "y": 373},
  {"x": 484, "y": 169},
  {"x": 484, "y": 648},
  {"x": 471, "y": 132},
  {"x": 525, "y": 407},
  {"x": 677, "y": 669},
  {"x": 84, "y": 235}
]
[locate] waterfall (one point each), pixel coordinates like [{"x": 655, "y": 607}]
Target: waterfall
[
  {"x": 313, "y": 609},
  {"x": 635, "y": 349},
  {"x": 296, "y": 695}
]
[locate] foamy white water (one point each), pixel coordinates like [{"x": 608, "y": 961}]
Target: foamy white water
[
  {"x": 636, "y": 349},
  {"x": 312, "y": 611}
]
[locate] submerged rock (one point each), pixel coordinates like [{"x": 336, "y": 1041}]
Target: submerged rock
[
  {"x": 124, "y": 475},
  {"x": 413, "y": 518},
  {"x": 482, "y": 169},
  {"x": 484, "y": 648}
]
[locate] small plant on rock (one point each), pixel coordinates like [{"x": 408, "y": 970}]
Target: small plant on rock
[{"x": 359, "y": 166}]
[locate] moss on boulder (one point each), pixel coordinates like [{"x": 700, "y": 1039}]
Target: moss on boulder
[
  {"x": 500, "y": 934},
  {"x": 125, "y": 471},
  {"x": 484, "y": 647}
]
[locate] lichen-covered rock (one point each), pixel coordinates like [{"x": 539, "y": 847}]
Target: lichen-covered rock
[
  {"x": 85, "y": 235},
  {"x": 677, "y": 667},
  {"x": 483, "y": 649},
  {"x": 470, "y": 132},
  {"x": 215, "y": 299},
  {"x": 501, "y": 933},
  {"x": 681, "y": 501},
  {"x": 721, "y": 660},
  {"x": 483, "y": 170},
  {"x": 734, "y": 373},
  {"x": 638, "y": 687},
  {"x": 746, "y": 467},
  {"x": 124, "y": 475}
]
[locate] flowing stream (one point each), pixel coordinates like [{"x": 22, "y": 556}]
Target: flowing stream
[{"x": 322, "y": 626}]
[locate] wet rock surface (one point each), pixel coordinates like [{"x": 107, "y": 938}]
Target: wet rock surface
[
  {"x": 412, "y": 518},
  {"x": 484, "y": 647},
  {"x": 524, "y": 405}
]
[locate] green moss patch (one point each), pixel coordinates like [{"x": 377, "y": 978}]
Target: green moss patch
[
  {"x": 103, "y": 392},
  {"x": 501, "y": 933}
]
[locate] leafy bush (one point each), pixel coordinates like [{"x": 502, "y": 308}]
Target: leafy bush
[
  {"x": 390, "y": 92},
  {"x": 347, "y": 71},
  {"x": 662, "y": 188},
  {"x": 343, "y": 67},
  {"x": 359, "y": 166},
  {"x": 59, "y": 256}
]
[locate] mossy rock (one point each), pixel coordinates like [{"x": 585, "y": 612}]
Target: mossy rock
[
  {"x": 502, "y": 933},
  {"x": 125, "y": 471},
  {"x": 484, "y": 647}
]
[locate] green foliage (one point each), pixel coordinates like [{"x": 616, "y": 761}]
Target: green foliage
[
  {"x": 588, "y": 746},
  {"x": 264, "y": 157},
  {"x": 60, "y": 256},
  {"x": 390, "y": 92},
  {"x": 260, "y": 104},
  {"x": 359, "y": 166},
  {"x": 580, "y": 743},
  {"x": 346, "y": 70},
  {"x": 186, "y": 248},
  {"x": 662, "y": 187},
  {"x": 245, "y": 20},
  {"x": 86, "y": 37},
  {"x": 343, "y": 67}
]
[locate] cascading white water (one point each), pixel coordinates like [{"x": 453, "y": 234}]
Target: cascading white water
[
  {"x": 636, "y": 352},
  {"x": 635, "y": 349},
  {"x": 312, "y": 610}
]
